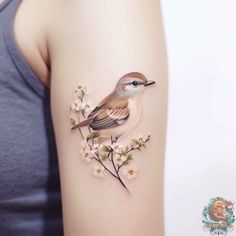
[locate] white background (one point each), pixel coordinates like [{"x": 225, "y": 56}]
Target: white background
[{"x": 201, "y": 137}]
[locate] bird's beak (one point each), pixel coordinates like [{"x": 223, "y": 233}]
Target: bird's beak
[{"x": 149, "y": 82}]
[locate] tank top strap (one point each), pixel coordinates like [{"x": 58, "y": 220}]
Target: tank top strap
[
  {"x": 9, "y": 8},
  {"x": 4, "y": 4}
]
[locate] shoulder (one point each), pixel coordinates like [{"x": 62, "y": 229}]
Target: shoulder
[{"x": 32, "y": 25}]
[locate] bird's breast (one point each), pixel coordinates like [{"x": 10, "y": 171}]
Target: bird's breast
[
  {"x": 135, "y": 108},
  {"x": 135, "y": 113}
]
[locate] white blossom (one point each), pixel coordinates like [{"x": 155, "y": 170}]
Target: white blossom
[
  {"x": 76, "y": 105},
  {"x": 80, "y": 91},
  {"x": 141, "y": 140},
  {"x": 116, "y": 146},
  {"x": 130, "y": 172},
  {"x": 119, "y": 159},
  {"x": 86, "y": 107},
  {"x": 96, "y": 147},
  {"x": 98, "y": 171},
  {"x": 86, "y": 153}
]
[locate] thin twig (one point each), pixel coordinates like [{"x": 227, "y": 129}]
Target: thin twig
[
  {"x": 117, "y": 172},
  {"x": 81, "y": 133},
  {"x": 80, "y": 128},
  {"x": 89, "y": 129},
  {"x": 99, "y": 160},
  {"x": 112, "y": 160}
]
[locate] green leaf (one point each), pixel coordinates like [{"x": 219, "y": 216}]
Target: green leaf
[
  {"x": 125, "y": 163},
  {"x": 104, "y": 157},
  {"x": 92, "y": 136},
  {"x": 106, "y": 149},
  {"x": 135, "y": 141},
  {"x": 129, "y": 158}
]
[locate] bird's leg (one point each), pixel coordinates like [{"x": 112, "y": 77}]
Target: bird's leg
[
  {"x": 114, "y": 140},
  {"x": 111, "y": 140}
]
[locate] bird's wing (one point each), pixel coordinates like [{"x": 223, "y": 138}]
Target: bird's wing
[
  {"x": 95, "y": 112},
  {"x": 99, "y": 108},
  {"x": 110, "y": 115}
]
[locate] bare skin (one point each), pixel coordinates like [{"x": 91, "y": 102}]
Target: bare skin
[{"x": 94, "y": 43}]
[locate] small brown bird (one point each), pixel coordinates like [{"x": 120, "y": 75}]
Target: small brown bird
[{"x": 120, "y": 112}]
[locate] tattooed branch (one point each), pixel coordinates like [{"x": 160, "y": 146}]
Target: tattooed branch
[{"x": 101, "y": 127}]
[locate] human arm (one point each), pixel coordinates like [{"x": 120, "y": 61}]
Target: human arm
[{"x": 94, "y": 43}]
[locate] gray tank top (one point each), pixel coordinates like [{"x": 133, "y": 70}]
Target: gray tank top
[{"x": 30, "y": 198}]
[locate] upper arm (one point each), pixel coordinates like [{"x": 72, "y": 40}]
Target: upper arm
[{"x": 93, "y": 44}]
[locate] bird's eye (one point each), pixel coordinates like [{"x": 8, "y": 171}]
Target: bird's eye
[{"x": 135, "y": 83}]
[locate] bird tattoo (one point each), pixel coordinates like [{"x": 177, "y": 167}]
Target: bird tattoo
[{"x": 120, "y": 112}]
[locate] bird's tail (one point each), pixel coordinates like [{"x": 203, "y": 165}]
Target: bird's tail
[{"x": 82, "y": 124}]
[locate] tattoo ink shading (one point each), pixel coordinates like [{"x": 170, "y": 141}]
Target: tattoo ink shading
[{"x": 102, "y": 127}]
